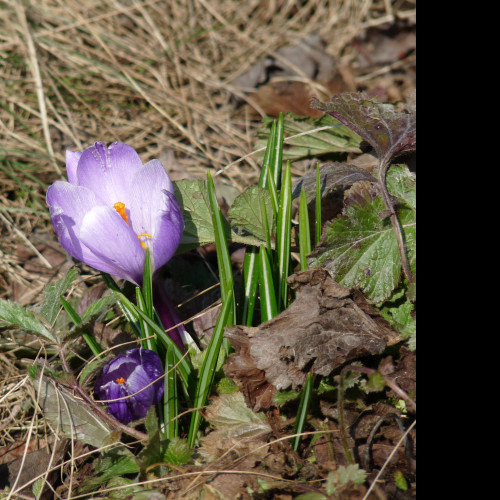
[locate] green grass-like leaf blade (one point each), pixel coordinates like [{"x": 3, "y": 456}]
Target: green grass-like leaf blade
[
  {"x": 170, "y": 406},
  {"x": 303, "y": 410},
  {"x": 268, "y": 298},
  {"x": 304, "y": 231},
  {"x": 207, "y": 372},
  {"x": 284, "y": 238}
]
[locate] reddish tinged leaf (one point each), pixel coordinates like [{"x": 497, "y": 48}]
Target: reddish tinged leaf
[{"x": 390, "y": 130}]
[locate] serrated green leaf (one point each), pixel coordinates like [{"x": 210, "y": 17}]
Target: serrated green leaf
[
  {"x": 198, "y": 224},
  {"x": 361, "y": 249},
  {"x": 282, "y": 397},
  {"x": 16, "y": 316},
  {"x": 399, "y": 316},
  {"x": 226, "y": 386},
  {"x": 335, "y": 139},
  {"x": 376, "y": 383},
  {"x": 114, "y": 463},
  {"x": 247, "y": 212},
  {"x": 342, "y": 476},
  {"x": 178, "y": 452},
  {"x": 94, "y": 311},
  {"x": 402, "y": 184},
  {"x": 51, "y": 304},
  {"x": 92, "y": 367}
]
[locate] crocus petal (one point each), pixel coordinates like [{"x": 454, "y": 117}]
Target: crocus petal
[
  {"x": 168, "y": 231},
  {"x": 108, "y": 171},
  {"x": 121, "y": 408},
  {"x": 150, "y": 363},
  {"x": 72, "y": 159},
  {"x": 140, "y": 385},
  {"x": 68, "y": 206},
  {"x": 120, "y": 367},
  {"x": 112, "y": 240},
  {"x": 146, "y": 196}
]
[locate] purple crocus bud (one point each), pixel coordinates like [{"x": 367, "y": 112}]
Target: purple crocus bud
[
  {"x": 113, "y": 207},
  {"x": 132, "y": 382}
]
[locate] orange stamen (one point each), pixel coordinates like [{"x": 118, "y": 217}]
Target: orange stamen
[
  {"x": 120, "y": 208},
  {"x": 120, "y": 380},
  {"x": 144, "y": 235}
]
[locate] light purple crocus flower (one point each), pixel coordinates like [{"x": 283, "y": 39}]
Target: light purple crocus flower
[
  {"x": 134, "y": 381},
  {"x": 113, "y": 207}
]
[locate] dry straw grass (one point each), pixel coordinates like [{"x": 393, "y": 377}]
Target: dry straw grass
[{"x": 157, "y": 74}]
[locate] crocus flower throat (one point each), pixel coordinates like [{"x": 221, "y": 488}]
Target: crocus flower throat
[{"x": 120, "y": 208}]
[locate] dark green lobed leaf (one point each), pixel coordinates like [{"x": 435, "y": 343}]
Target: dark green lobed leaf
[{"x": 360, "y": 248}]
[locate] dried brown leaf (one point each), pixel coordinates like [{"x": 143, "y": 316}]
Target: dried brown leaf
[{"x": 326, "y": 326}]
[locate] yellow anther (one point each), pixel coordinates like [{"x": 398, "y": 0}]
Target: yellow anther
[
  {"x": 120, "y": 380},
  {"x": 144, "y": 235},
  {"x": 120, "y": 208}
]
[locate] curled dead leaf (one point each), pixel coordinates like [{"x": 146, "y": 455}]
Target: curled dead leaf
[{"x": 326, "y": 326}]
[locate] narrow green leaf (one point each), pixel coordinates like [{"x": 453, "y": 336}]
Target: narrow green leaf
[
  {"x": 91, "y": 341},
  {"x": 146, "y": 331},
  {"x": 223, "y": 257},
  {"x": 317, "y": 222},
  {"x": 184, "y": 366},
  {"x": 268, "y": 299},
  {"x": 147, "y": 285},
  {"x": 170, "y": 399},
  {"x": 270, "y": 151},
  {"x": 303, "y": 410},
  {"x": 277, "y": 165},
  {"x": 284, "y": 238},
  {"x": 132, "y": 318},
  {"x": 304, "y": 231},
  {"x": 207, "y": 372},
  {"x": 251, "y": 281},
  {"x": 17, "y": 316}
]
